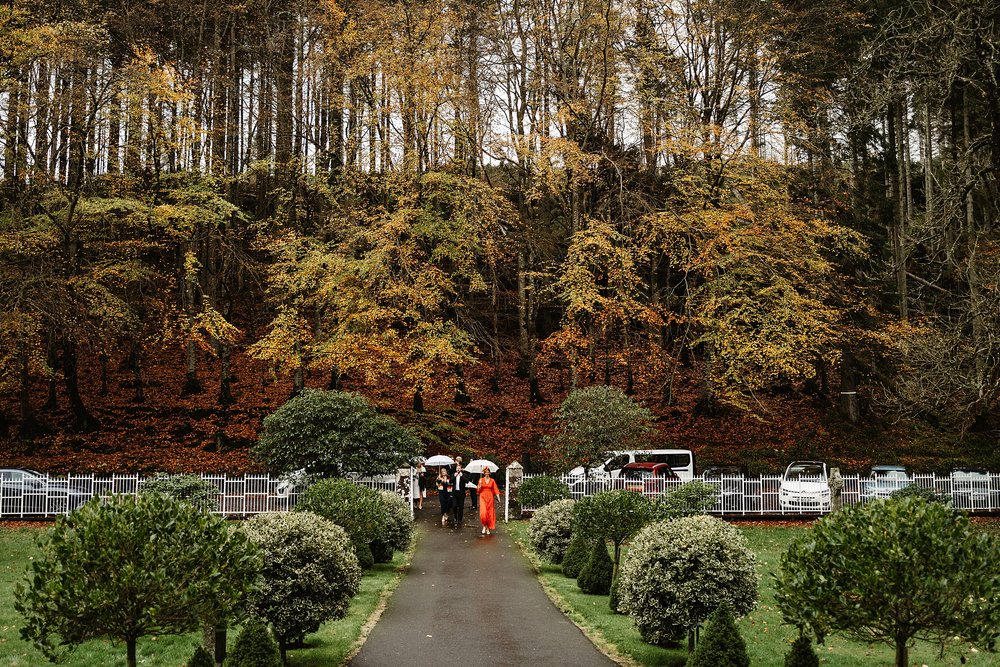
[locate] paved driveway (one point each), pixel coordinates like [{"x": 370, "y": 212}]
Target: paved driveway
[{"x": 473, "y": 600}]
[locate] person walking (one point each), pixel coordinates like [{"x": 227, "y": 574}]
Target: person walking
[
  {"x": 488, "y": 491},
  {"x": 444, "y": 489},
  {"x": 421, "y": 474},
  {"x": 459, "y": 482}
]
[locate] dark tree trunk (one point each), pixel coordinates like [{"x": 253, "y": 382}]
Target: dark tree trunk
[
  {"x": 103, "y": 359},
  {"x": 83, "y": 421},
  {"x": 849, "y": 406},
  {"x": 135, "y": 353},
  {"x": 225, "y": 377},
  {"x": 418, "y": 401},
  {"x": 461, "y": 394}
]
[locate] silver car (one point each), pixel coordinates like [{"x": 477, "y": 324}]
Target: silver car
[
  {"x": 25, "y": 492},
  {"x": 883, "y": 481}
]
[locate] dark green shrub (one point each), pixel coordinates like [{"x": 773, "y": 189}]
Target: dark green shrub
[
  {"x": 366, "y": 557},
  {"x": 191, "y": 488},
  {"x": 721, "y": 645},
  {"x": 357, "y": 509},
  {"x": 254, "y": 647},
  {"x": 540, "y": 491},
  {"x": 802, "y": 654},
  {"x": 615, "y": 595},
  {"x": 333, "y": 433},
  {"x": 551, "y": 529},
  {"x": 380, "y": 551},
  {"x": 595, "y": 577},
  {"x": 922, "y": 492},
  {"x": 201, "y": 658},
  {"x": 576, "y": 554},
  {"x": 695, "y": 497}
]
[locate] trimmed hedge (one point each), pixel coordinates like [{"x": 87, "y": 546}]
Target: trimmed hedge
[
  {"x": 551, "y": 530},
  {"x": 537, "y": 492}
]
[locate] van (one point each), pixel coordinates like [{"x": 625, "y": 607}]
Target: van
[{"x": 681, "y": 461}]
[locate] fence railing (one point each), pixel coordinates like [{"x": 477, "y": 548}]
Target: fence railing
[
  {"x": 40, "y": 496},
  {"x": 772, "y": 495},
  {"x": 28, "y": 496}
]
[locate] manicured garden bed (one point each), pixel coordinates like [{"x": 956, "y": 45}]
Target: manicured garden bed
[
  {"x": 329, "y": 646},
  {"x": 767, "y": 638}
]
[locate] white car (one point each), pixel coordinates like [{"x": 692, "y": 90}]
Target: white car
[
  {"x": 805, "y": 487},
  {"x": 681, "y": 461}
]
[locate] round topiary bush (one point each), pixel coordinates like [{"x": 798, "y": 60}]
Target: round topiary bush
[
  {"x": 678, "y": 572},
  {"x": 537, "y": 492},
  {"x": 802, "y": 654},
  {"x": 254, "y": 647},
  {"x": 551, "y": 529},
  {"x": 721, "y": 645},
  {"x": 310, "y": 573},
  {"x": 595, "y": 577},
  {"x": 399, "y": 527},
  {"x": 577, "y": 554},
  {"x": 201, "y": 658}
]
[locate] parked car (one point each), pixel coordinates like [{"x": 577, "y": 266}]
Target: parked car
[
  {"x": 883, "y": 480},
  {"x": 681, "y": 461},
  {"x": 973, "y": 489},
  {"x": 648, "y": 478},
  {"x": 805, "y": 487},
  {"x": 26, "y": 492},
  {"x": 729, "y": 479}
]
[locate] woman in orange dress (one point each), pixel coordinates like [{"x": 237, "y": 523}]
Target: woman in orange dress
[{"x": 487, "y": 491}]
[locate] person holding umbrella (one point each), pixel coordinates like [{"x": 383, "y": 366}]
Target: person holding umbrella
[
  {"x": 444, "y": 489},
  {"x": 488, "y": 491}
]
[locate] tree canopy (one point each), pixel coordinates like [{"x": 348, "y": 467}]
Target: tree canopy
[{"x": 333, "y": 433}]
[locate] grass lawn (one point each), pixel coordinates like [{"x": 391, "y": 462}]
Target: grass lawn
[
  {"x": 330, "y": 646},
  {"x": 767, "y": 638}
]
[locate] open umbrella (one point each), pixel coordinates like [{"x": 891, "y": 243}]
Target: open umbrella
[
  {"x": 439, "y": 460},
  {"x": 476, "y": 466}
]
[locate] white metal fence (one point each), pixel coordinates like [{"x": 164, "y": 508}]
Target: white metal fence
[
  {"x": 768, "y": 495},
  {"x": 245, "y": 495},
  {"x": 41, "y": 496}
]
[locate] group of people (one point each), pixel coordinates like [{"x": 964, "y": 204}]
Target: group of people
[{"x": 453, "y": 483}]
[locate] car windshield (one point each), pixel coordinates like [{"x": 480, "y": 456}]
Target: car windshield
[
  {"x": 804, "y": 470},
  {"x": 890, "y": 474},
  {"x": 672, "y": 460},
  {"x": 631, "y": 473}
]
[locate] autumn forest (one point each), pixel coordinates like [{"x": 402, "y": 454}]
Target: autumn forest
[{"x": 772, "y": 221}]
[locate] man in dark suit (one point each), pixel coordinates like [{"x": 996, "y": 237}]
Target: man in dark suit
[{"x": 460, "y": 482}]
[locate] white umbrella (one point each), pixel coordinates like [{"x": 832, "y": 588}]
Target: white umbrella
[
  {"x": 477, "y": 466},
  {"x": 439, "y": 460}
]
